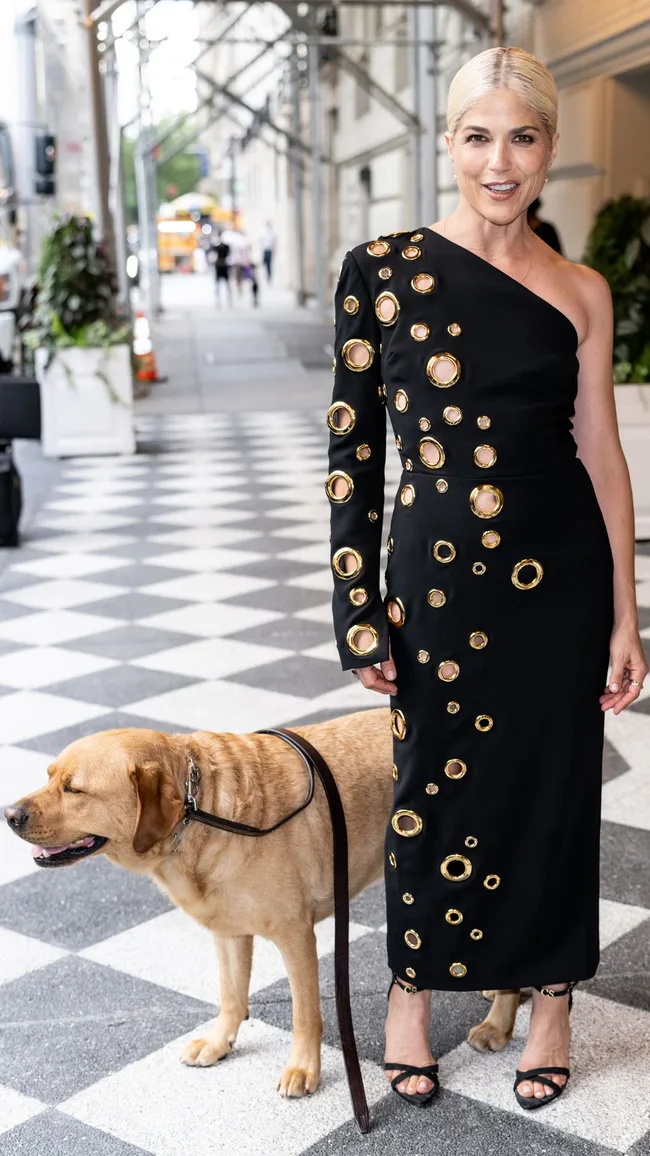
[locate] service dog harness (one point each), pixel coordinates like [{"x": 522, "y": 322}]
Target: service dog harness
[{"x": 315, "y": 764}]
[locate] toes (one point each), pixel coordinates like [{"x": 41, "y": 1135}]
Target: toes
[{"x": 524, "y": 1088}]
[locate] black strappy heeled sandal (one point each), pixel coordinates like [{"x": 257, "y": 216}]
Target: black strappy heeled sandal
[
  {"x": 529, "y": 1102},
  {"x": 429, "y": 1071}
]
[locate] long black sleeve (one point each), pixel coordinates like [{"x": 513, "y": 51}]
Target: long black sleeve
[{"x": 355, "y": 484}]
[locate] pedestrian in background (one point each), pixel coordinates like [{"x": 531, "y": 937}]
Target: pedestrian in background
[
  {"x": 544, "y": 229},
  {"x": 221, "y": 254},
  {"x": 267, "y": 243}
]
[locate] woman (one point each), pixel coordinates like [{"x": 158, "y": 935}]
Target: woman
[
  {"x": 544, "y": 229},
  {"x": 509, "y": 576}
]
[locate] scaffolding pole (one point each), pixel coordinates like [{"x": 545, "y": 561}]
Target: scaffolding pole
[
  {"x": 145, "y": 180},
  {"x": 296, "y": 162},
  {"x": 316, "y": 132}
]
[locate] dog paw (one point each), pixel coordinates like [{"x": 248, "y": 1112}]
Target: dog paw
[
  {"x": 296, "y": 1081},
  {"x": 203, "y": 1053},
  {"x": 486, "y": 1037}
]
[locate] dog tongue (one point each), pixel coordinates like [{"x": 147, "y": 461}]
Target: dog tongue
[{"x": 44, "y": 852}]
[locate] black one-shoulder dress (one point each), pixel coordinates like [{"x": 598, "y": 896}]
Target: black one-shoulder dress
[{"x": 498, "y": 608}]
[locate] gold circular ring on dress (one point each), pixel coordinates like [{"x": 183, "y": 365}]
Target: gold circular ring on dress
[
  {"x": 358, "y": 596},
  {"x": 478, "y": 639},
  {"x": 449, "y": 859},
  {"x": 453, "y": 707},
  {"x": 436, "y": 598},
  {"x": 484, "y": 488},
  {"x": 347, "y": 349},
  {"x": 386, "y": 295},
  {"x": 410, "y": 971},
  {"x": 476, "y": 933},
  {"x": 422, "y": 446},
  {"x": 423, "y": 656},
  {"x": 408, "y": 832},
  {"x": 483, "y": 722},
  {"x": 442, "y": 485},
  {"x": 389, "y": 545},
  {"x": 378, "y": 248},
  {"x": 478, "y": 568},
  {"x": 412, "y": 939},
  {"x": 407, "y": 495},
  {"x": 392, "y": 860},
  {"x": 443, "y": 544},
  {"x": 331, "y": 417},
  {"x": 491, "y": 882},
  {"x": 431, "y": 369},
  {"x": 458, "y": 970},
  {"x": 408, "y": 898},
  {"x": 483, "y": 422},
  {"x": 411, "y": 252},
  {"x": 385, "y": 272},
  {"x": 395, "y": 772},
  {"x": 432, "y": 788},
  {"x": 424, "y": 424},
  {"x": 420, "y": 331},
  {"x": 395, "y": 717},
  {"x": 423, "y": 282},
  {"x": 471, "y": 841},
  {"x": 453, "y": 773},
  {"x": 454, "y": 329},
  {"x": 361, "y": 651},
  {"x": 417, "y": 237},
  {"x": 351, "y": 304},
  {"x": 401, "y": 402},
  {"x": 338, "y": 558},
  {"x": 373, "y": 515},
  {"x": 448, "y": 662},
  {"x": 452, "y": 414},
  {"x": 539, "y": 573},
  {"x": 331, "y": 487},
  {"x": 490, "y": 539},
  {"x": 395, "y": 604},
  {"x": 363, "y": 452},
  {"x": 454, "y": 915},
  {"x": 477, "y": 456}
]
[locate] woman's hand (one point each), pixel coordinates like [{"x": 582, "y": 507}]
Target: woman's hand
[
  {"x": 628, "y": 669},
  {"x": 379, "y": 678}
]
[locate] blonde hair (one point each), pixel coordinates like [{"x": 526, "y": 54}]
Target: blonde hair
[{"x": 512, "y": 68}]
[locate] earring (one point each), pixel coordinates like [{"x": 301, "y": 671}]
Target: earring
[
  {"x": 455, "y": 177},
  {"x": 545, "y": 180}
]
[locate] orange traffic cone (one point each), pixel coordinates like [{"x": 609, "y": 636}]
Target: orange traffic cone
[{"x": 146, "y": 368}]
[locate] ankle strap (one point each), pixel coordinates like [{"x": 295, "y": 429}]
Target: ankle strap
[
  {"x": 407, "y": 987},
  {"x": 552, "y": 992}
]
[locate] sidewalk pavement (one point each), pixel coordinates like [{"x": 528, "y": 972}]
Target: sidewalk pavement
[{"x": 188, "y": 587}]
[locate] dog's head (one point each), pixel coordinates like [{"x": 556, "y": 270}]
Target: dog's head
[{"x": 119, "y": 792}]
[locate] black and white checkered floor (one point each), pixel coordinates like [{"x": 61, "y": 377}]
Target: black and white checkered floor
[{"x": 189, "y": 587}]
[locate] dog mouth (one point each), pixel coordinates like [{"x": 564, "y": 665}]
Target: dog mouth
[{"x": 69, "y": 852}]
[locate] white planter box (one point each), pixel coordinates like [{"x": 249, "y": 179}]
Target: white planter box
[
  {"x": 633, "y": 411},
  {"x": 79, "y": 413}
]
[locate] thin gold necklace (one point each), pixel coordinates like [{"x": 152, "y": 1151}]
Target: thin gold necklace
[{"x": 520, "y": 280}]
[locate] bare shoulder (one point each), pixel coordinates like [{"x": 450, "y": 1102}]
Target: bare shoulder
[{"x": 594, "y": 293}]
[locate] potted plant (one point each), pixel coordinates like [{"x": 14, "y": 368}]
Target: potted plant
[
  {"x": 619, "y": 248},
  {"x": 82, "y": 347}
]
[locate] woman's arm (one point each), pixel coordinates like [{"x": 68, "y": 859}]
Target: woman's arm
[{"x": 595, "y": 429}]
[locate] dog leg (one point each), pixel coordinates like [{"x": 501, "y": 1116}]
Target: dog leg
[
  {"x": 235, "y": 958},
  {"x": 493, "y": 1033},
  {"x": 302, "y": 1073}
]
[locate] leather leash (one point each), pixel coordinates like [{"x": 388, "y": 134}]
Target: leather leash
[{"x": 315, "y": 763}]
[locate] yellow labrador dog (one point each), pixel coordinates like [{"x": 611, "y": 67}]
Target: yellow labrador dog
[{"x": 121, "y": 793}]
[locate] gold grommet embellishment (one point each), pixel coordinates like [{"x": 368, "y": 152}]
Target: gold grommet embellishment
[
  {"x": 378, "y": 248},
  {"x": 417, "y": 237},
  {"x": 358, "y": 596},
  {"x": 392, "y": 860},
  {"x": 431, "y": 453},
  {"x": 453, "y": 707},
  {"x": 443, "y": 369},
  {"x": 452, "y": 414},
  {"x": 455, "y": 768},
  {"x": 456, "y": 877},
  {"x": 395, "y": 611},
  {"x": 490, "y": 539},
  {"x": 339, "y": 486},
  {"x": 351, "y": 304},
  {"x": 389, "y": 545},
  {"x": 485, "y": 456},
  {"x": 363, "y": 452},
  {"x": 483, "y": 422},
  {"x": 387, "y": 308},
  {"x": 395, "y": 772},
  {"x": 483, "y": 722},
  {"x": 372, "y": 515},
  {"x": 476, "y": 933},
  {"x": 454, "y": 915},
  {"x": 398, "y": 442},
  {"x": 448, "y": 670},
  {"x": 408, "y": 464},
  {"x": 436, "y": 598},
  {"x": 355, "y": 646},
  {"x": 423, "y": 656},
  {"x": 444, "y": 551},
  {"x": 491, "y": 882},
  {"x": 384, "y": 390},
  {"x": 385, "y": 272},
  {"x": 341, "y": 417},
  {"x": 442, "y": 486},
  {"x": 398, "y": 724},
  {"x": 347, "y": 562},
  {"x": 409, "y": 817},
  {"x": 412, "y": 252},
  {"x": 458, "y": 970},
  {"x": 477, "y": 501},
  {"x": 423, "y": 282},
  {"x": 432, "y": 788},
  {"x": 539, "y": 573},
  {"x": 478, "y": 639},
  {"x": 401, "y": 400},
  {"x": 407, "y": 898},
  {"x": 454, "y": 329},
  {"x": 424, "y": 423},
  {"x": 412, "y": 939},
  {"x": 471, "y": 841},
  {"x": 362, "y": 346},
  {"x": 479, "y": 568},
  {"x": 410, "y": 971},
  {"x": 420, "y": 331},
  {"x": 407, "y": 495}
]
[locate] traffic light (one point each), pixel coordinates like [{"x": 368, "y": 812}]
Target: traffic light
[{"x": 45, "y": 164}]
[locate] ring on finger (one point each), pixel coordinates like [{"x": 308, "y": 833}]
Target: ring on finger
[{"x": 633, "y": 682}]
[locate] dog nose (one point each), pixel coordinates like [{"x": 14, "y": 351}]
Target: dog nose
[{"x": 16, "y": 818}]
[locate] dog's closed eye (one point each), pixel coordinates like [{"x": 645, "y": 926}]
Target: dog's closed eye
[{"x": 69, "y": 790}]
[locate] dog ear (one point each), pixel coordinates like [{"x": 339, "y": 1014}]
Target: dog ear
[{"x": 159, "y": 805}]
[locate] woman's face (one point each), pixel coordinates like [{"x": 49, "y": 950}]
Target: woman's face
[{"x": 501, "y": 141}]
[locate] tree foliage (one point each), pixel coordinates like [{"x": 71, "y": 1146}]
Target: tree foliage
[{"x": 183, "y": 172}]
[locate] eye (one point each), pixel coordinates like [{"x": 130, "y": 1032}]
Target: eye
[
  {"x": 474, "y": 136},
  {"x": 524, "y": 136},
  {"x": 68, "y": 790}
]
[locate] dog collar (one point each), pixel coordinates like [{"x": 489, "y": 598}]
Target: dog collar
[{"x": 192, "y": 784}]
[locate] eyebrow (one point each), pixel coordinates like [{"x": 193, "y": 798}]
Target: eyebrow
[{"x": 479, "y": 128}]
